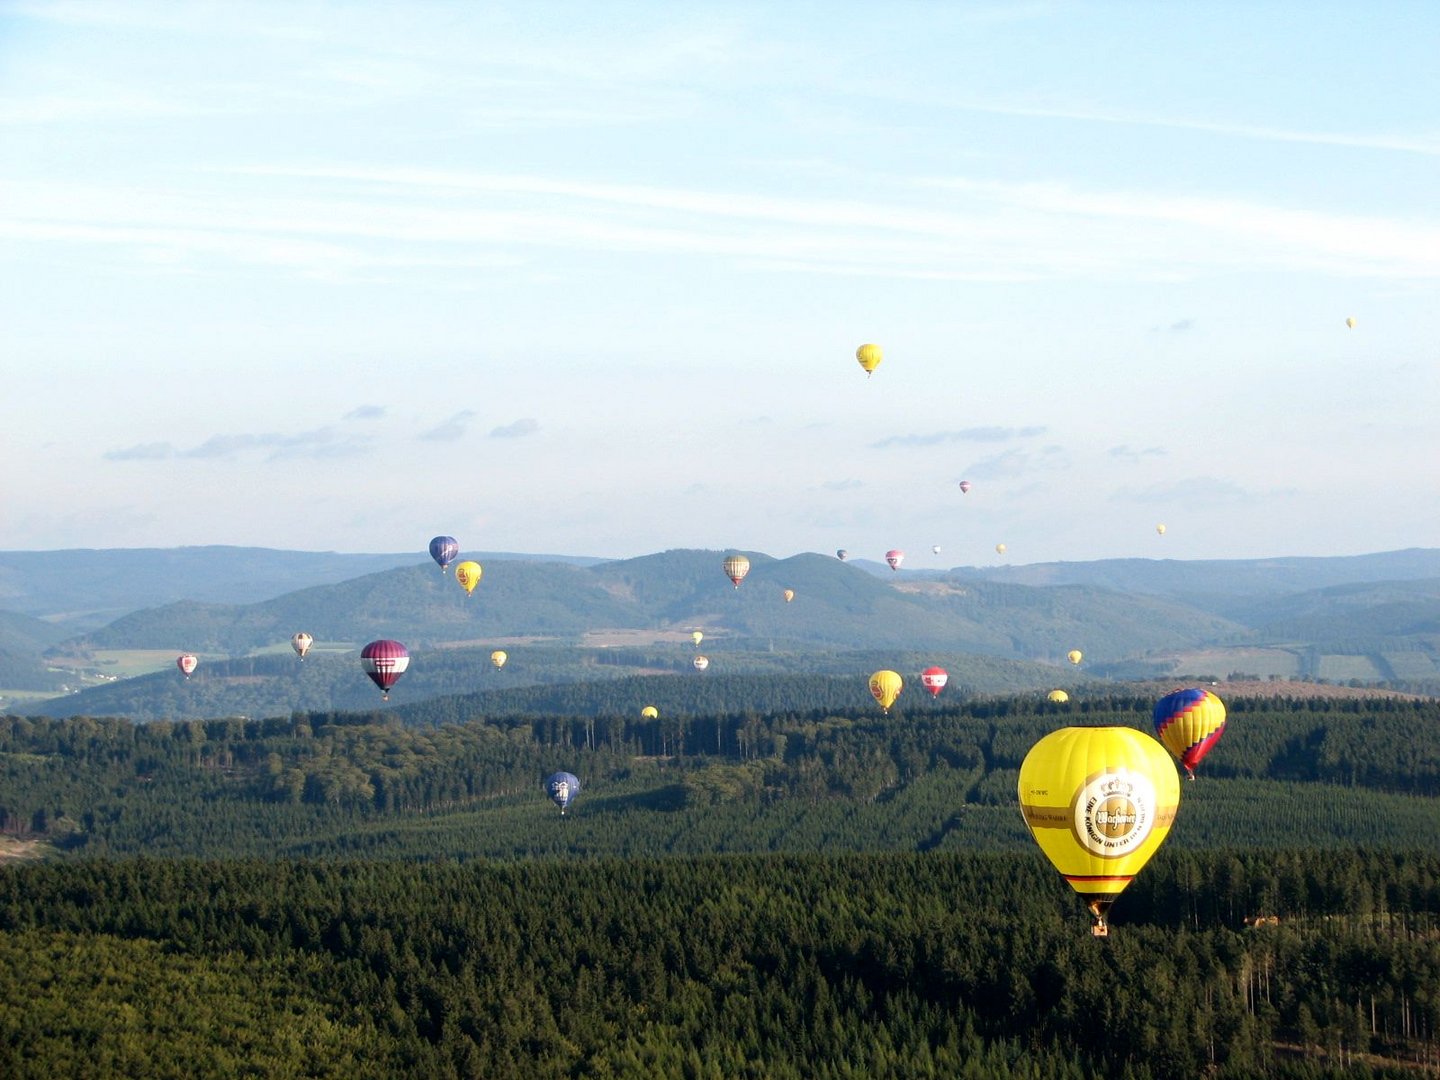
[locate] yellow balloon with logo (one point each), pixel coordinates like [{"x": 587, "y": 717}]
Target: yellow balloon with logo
[
  {"x": 649, "y": 712},
  {"x": 1099, "y": 801},
  {"x": 869, "y": 357},
  {"x": 468, "y": 574},
  {"x": 498, "y": 657},
  {"x": 885, "y": 687},
  {"x": 1074, "y": 656}
]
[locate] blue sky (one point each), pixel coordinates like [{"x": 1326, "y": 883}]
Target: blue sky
[{"x": 589, "y": 278}]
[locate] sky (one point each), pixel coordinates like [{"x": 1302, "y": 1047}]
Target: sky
[{"x": 589, "y": 278}]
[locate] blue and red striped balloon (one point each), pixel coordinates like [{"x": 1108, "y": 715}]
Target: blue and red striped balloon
[{"x": 1189, "y": 723}]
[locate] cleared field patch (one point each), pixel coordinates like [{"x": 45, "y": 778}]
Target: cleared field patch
[
  {"x": 1340, "y": 668},
  {"x": 1262, "y": 662},
  {"x": 127, "y": 663}
]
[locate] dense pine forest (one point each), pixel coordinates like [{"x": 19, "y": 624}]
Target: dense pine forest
[{"x": 798, "y": 892}]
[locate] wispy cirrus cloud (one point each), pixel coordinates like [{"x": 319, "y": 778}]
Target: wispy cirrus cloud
[
  {"x": 1018, "y": 462},
  {"x": 516, "y": 430},
  {"x": 972, "y": 434},
  {"x": 1132, "y": 454},
  {"x": 1201, "y": 489},
  {"x": 319, "y": 443},
  {"x": 365, "y": 412},
  {"x": 451, "y": 429}
]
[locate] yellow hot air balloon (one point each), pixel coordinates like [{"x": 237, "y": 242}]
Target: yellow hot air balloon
[
  {"x": 869, "y": 357},
  {"x": 1074, "y": 656},
  {"x": 1099, "y": 801},
  {"x": 468, "y": 574},
  {"x": 999, "y": 549},
  {"x": 1350, "y": 322},
  {"x": 1060, "y": 697},
  {"x": 697, "y": 637},
  {"x": 498, "y": 658},
  {"x": 1160, "y": 529},
  {"x": 649, "y": 712},
  {"x": 789, "y": 595},
  {"x": 736, "y": 567},
  {"x": 885, "y": 687}
]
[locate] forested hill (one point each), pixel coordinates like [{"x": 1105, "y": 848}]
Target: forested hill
[{"x": 85, "y": 588}]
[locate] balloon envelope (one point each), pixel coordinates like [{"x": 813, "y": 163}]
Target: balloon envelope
[
  {"x": 697, "y": 637},
  {"x": 562, "y": 787},
  {"x": 649, "y": 712},
  {"x": 443, "y": 550},
  {"x": 468, "y": 573},
  {"x": 934, "y": 680},
  {"x": 1074, "y": 656},
  {"x": 701, "y": 663},
  {"x": 1099, "y": 801},
  {"x": 1160, "y": 529},
  {"x": 1057, "y": 696},
  {"x": 965, "y": 487},
  {"x": 301, "y": 643},
  {"x": 187, "y": 663},
  {"x": 894, "y": 557},
  {"x": 736, "y": 567},
  {"x": 789, "y": 595},
  {"x": 498, "y": 657},
  {"x": 842, "y": 554},
  {"x": 935, "y": 550},
  {"x": 1350, "y": 322},
  {"x": 885, "y": 687},
  {"x": 1000, "y": 549},
  {"x": 384, "y": 661},
  {"x": 1189, "y": 723},
  {"x": 869, "y": 357}
]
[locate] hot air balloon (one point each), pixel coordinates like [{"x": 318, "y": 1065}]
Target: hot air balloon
[
  {"x": 842, "y": 554},
  {"x": 384, "y": 661},
  {"x": 697, "y": 637},
  {"x": 649, "y": 712},
  {"x": 498, "y": 658},
  {"x": 1059, "y": 697},
  {"x": 1000, "y": 549},
  {"x": 1099, "y": 801},
  {"x": 885, "y": 687},
  {"x": 1160, "y": 529},
  {"x": 468, "y": 573},
  {"x": 965, "y": 487},
  {"x": 1189, "y": 723},
  {"x": 934, "y": 680},
  {"x": 187, "y": 663},
  {"x": 701, "y": 663},
  {"x": 736, "y": 567},
  {"x": 1074, "y": 656},
  {"x": 935, "y": 550},
  {"x": 894, "y": 557},
  {"x": 869, "y": 357},
  {"x": 789, "y": 595},
  {"x": 562, "y": 787},
  {"x": 1350, "y": 322},
  {"x": 301, "y": 643},
  {"x": 443, "y": 550}
]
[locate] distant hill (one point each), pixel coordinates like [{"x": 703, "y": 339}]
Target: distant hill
[
  {"x": 86, "y": 588},
  {"x": 635, "y": 616},
  {"x": 1215, "y": 581}
]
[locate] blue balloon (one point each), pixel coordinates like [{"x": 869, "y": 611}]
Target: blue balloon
[
  {"x": 443, "y": 550},
  {"x": 562, "y": 787}
]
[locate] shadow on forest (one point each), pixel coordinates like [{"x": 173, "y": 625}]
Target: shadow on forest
[{"x": 665, "y": 799}]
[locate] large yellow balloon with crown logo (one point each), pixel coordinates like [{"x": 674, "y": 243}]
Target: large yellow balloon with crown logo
[{"x": 1099, "y": 801}]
